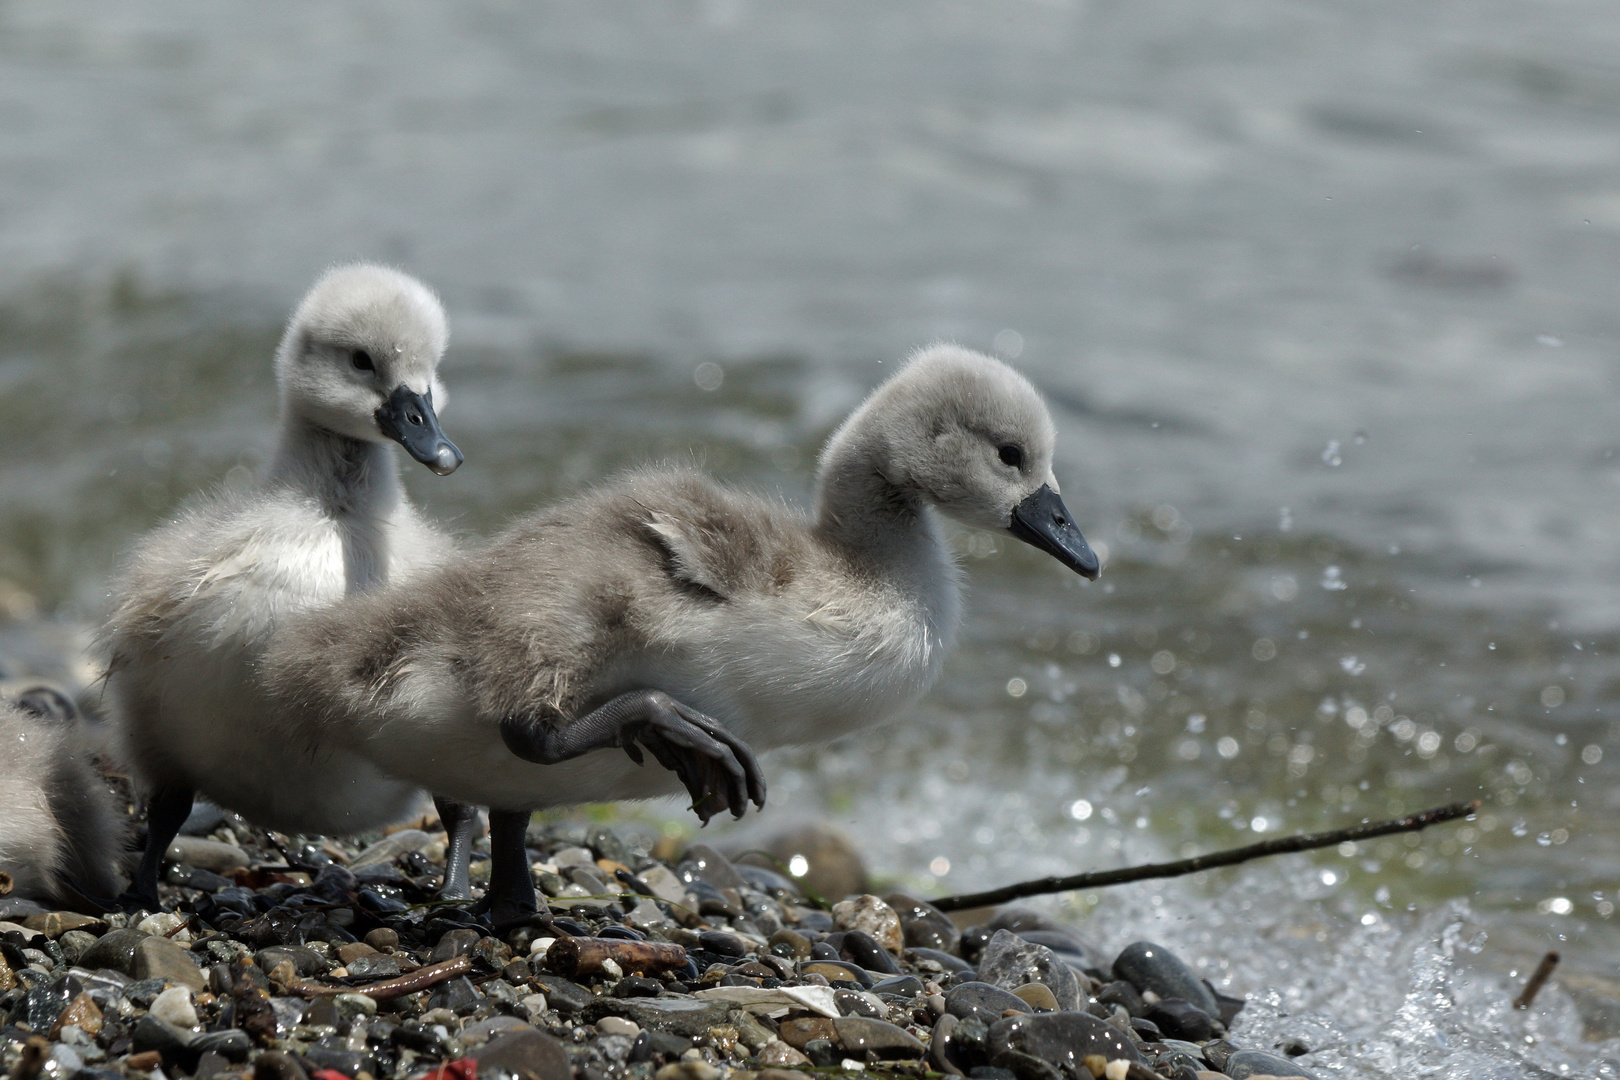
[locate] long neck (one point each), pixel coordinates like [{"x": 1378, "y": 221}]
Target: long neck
[
  {"x": 355, "y": 482},
  {"x": 881, "y": 523}
]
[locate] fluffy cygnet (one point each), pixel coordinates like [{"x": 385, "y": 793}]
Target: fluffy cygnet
[
  {"x": 198, "y": 598},
  {"x": 667, "y": 610},
  {"x": 61, "y": 836}
]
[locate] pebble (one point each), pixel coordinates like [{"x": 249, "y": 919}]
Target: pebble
[
  {"x": 1255, "y": 1063},
  {"x": 174, "y": 1006},
  {"x": 1147, "y": 966},
  {"x": 922, "y": 924},
  {"x": 211, "y": 855},
  {"x": 854, "y": 1035},
  {"x": 1061, "y": 1038},
  {"x": 1037, "y": 996},
  {"x": 984, "y": 1001},
  {"x": 1009, "y": 962},
  {"x": 870, "y": 915},
  {"x": 160, "y": 958}
]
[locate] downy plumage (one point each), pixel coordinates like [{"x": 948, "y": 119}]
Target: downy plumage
[
  {"x": 200, "y": 596},
  {"x": 669, "y": 610}
]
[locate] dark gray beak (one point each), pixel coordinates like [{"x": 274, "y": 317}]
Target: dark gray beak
[
  {"x": 1043, "y": 521},
  {"x": 408, "y": 419}
]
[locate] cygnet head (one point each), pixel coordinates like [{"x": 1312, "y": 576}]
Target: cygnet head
[
  {"x": 360, "y": 358},
  {"x": 970, "y": 435}
]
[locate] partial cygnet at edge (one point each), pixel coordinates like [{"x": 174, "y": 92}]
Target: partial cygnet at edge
[
  {"x": 667, "y": 610},
  {"x": 199, "y": 597},
  {"x": 61, "y": 835}
]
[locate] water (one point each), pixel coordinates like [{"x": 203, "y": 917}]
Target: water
[{"x": 1323, "y": 297}]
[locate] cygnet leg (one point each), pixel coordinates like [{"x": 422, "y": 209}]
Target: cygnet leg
[
  {"x": 460, "y": 824},
  {"x": 511, "y": 890},
  {"x": 717, "y": 768},
  {"x": 166, "y": 811}
]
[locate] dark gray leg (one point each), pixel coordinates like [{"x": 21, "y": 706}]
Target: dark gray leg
[
  {"x": 166, "y": 811},
  {"x": 460, "y": 823},
  {"x": 716, "y": 767},
  {"x": 511, "y": 889}
]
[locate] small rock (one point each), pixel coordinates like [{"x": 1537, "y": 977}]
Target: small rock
[
  {"x": 986, "y": 1002},
  {"x": 674, "y": 1015},
  {"x": 618, "y": 1025},
  {"x": 1182, "y": 1020},
  {"x": 174, "y": 1006},
  {"x": 374, "y": 967},
  {"x": 164, "y": 924},
  {"x": 522, "y": 1053},
  {"x": 573, "y": 856},
  {"x": 350, "y": 951},
  {"x": 665, "y": 885},
  {"x": 922, "y": 924},
  {"x": 564, "y": 996},
  {"x": 944, "y": 961},
  {"x": 711, "y": 867},
  {"x": 210, "y": 855},
  {"x": 278, "y": 1065},
  {"x": 350, "y": 1006},
  {"x": 83, "y": 1013},
  {"x": 837, "y": 971},
  {"x": 853, "y": 1035},
  {"x": 864, "y": 950},
  {"x": 871, "y": 915},
  {"x": 160, "y": 958},
  {"x": 779, "y": 1055},
  {"x": 1247, "y": 1063},
  {"x": 832, "y": 862},
  {"x": 484, "y": 1030},
  {"x": 796, "y": 943},
  {"x": 392, "y": 847},
  {"x": 383, "y": 939},
  {"x": 1063, "y": 1039},
  {"x": 688, "y": 1070},
  {"x": 153, "y": 1034},
  {"x": 459, "y": 996},
  {"x": 1037, "y": 996},
  {"x": 116, "y": 950},
  {"x": 1147, "y": 966},
  {"x": 1010, "y": 962},
  {"x": 454, "y": 943}
]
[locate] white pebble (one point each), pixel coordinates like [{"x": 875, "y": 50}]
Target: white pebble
[
  {"x": 538, "y": 947},
  {"x": 174, "y": 1006},
  {"x": 618, "y": 1025},
  {"x": 534, "y": 1005},
  {"x": 165, "y": 924},
  {"x": 1117, "y": 1069},
  {"x": 611, "y": 966}
]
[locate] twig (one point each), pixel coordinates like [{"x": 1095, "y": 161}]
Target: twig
[
  {"x": 1538, "y": 978},
  {"x": 420, "y": 979},
  {"x": 6, "y": 883},
  {"x": 1280, "y": 846}
]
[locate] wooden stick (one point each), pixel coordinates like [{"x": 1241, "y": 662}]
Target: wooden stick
[
  {"x": 1283, "y": 845},
  {"x": 420, "y": 979},
  {"x": 1538, "y": 977},
  {"x": 6, "y": 883},
  {"x": 575, "y": 956}
]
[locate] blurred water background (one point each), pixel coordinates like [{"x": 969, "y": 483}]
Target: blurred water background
[{"x": 1323, "y": 295}]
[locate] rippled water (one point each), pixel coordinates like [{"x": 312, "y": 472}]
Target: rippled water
[{"x": 1324, "y": 297}]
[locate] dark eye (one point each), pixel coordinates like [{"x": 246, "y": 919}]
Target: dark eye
[
  {"x": 1010, "y": 455},
  {"x": 362, "y": 360}
]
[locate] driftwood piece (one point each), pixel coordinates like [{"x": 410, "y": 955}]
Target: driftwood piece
[
  {"x": 1282, "y": 845},
  {"x": 575, "y": 956},
  {"x": 420, "y": 979},
  {"x": 1538, "y": 979}
]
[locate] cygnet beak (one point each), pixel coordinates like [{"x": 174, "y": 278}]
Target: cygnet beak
[
  {"x": 408, "y": 419},
  {"x": 1043, "y": 521}
]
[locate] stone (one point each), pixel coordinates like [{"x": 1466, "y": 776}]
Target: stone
[
  {"x": 837, "y": 971},
  {"x": 383, "y": 939},
  {"x": 666, "y": 886},
  {"x": 174, "y": 1006},
  {"x": 160, "y": 958},
  {"x": 210, "y": 855},
  {"x": 832, "y": 863},
  {"x": 1181, "y": 1020},
  {"x": 718, "y": 941},
  {"x": 115, "y": 950},
  {"x": 1009, "y": 962},
  {"x": 851, "y": 1003},
  {"x": 392, "y": 847},
  {"x": 901, "y": 985},
  {"x": 230, "y": 1044},
  {"x": 564, "y": 996},
  {"x": 1123, "y": 993},
  {"x": 524, "y": 1053},
  {"x": 374, "y": 967},
  {"x": 1147, "y": 966},
  {"x": 870, "y": 915},
  {"x": 278, "y": 1065},
  {"x": 74, "y": 944},
  {"x": 305, "y": 961},
  {"x": 350, "y": 951},
  {"x": 53, "y": 924},
  {"x": 153, "y": 1034},
  {"x": 618, "y": 1025},
  {"x": 983, "y": 1000},
  {"x": 1037, "y": 996},
  {"x": 674, "y": 1015},
  {"x": 943, "y": 1055},
  {"x": 1247, "y": 1063},
  {"x": 573, "y": 856},
  {"x": 483, "y": 1030},
  {"x": 1063, "y": 1039},
  {"x": 454, "y": 943},
  {"x": 864, "y": 950},
  {"x": 83, "y": 1013},
  {"x": 922, "y": 924},
  {"x": 351, "y": 1006},
  {"x": 459, "y": 996},
  {"x": 779, "y": 1055},
  {"x": 945, "y": 961},
  {"x": 854, "y": 1035},
  {"x": 164, "y": 924},
  {"x": 793, "y": 941}
]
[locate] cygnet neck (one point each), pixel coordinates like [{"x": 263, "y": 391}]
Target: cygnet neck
[
  {"x": 354, "y": 481},
  {"x": 871, "y": 517}
]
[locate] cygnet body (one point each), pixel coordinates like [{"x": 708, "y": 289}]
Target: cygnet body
[
  {"x": 61, "y": 835},
  {"x": 199, "y": 596},
  {"x": 667, "y": 609}
]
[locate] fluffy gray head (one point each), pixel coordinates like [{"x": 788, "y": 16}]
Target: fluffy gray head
[
  {"x": 362, "y": 332},
  {"x": 961, "y": 429}
]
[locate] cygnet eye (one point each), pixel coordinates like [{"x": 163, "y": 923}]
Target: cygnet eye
[
  {"x": 1010, "y": 455},
  {"x": 362, "y": 360}
]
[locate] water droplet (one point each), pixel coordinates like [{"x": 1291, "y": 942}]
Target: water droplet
[{"x": 1330, "y": 456}]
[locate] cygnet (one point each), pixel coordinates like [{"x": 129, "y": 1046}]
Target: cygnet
[
  {"x": 61, "y": 834},
  {"x": 667, "y": 612},
  {"x": 198, "y": 598}
]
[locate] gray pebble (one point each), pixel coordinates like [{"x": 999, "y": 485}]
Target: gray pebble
[{"x": 1147, "y": 966}]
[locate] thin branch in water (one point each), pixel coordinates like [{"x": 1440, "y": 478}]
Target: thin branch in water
[
  {"x": 1538, "y": 978},
  {"x": 1282, "y": 845}
]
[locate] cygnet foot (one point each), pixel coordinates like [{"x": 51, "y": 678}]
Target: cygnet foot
[
  {"x": 717, "y": 768},
  {"x": 460, "y": 826},
  {"x": 510, "y": 896},
  {"x": 167, "y": 810}
]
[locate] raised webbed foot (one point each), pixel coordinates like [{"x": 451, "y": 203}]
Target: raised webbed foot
[{"x": 717, "y": 769}]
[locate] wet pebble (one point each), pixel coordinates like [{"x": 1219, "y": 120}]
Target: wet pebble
[
  {"x": 984, "y": 1001},
  {"x": 1247, "y": 1063},
  {"x": 1010, "y": 962},
  {"x": 1147, "y": 966}
]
